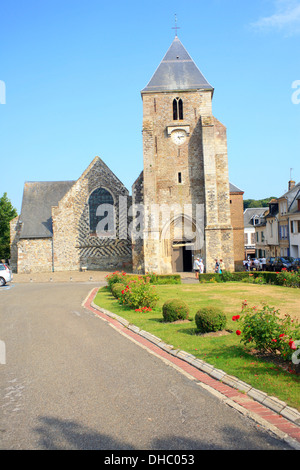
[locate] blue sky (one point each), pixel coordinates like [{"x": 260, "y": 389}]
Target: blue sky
[{"x": 73, "y": 71}]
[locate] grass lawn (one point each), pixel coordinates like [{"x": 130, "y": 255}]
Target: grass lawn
[{"x": 225, "y": 352}]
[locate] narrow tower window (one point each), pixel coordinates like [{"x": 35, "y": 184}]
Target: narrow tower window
[
  {"x": 177, "y": 109},
  {"x": 179, "y": 177},
  {"x": 180, "y": 108}
]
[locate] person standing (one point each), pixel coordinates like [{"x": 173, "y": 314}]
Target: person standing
[
  {"x": 201, "y": 267},
  {"x": 221, "y": 266},
  {"x": 197, "y": 267},
  {"x": 217, "y": 266}
]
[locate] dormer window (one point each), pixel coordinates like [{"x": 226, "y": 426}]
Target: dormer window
[{"x": 177, "y": 109}]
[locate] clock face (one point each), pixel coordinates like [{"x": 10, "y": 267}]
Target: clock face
[{"x": 178, "y": 137}]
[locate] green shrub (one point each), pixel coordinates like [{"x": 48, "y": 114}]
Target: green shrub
[
  {"x": 268, "y": 331},
  {"x": 165, "y": 279},
  {"x": 210, "y": 319},
  {"x": 116, "y": 289},
  {"x": 243, "y": 276},
  {"x": 139, "y": 293},
  {"x": 288, "y": 279},
  {"x": 156, "y": 278},
  {"x": 115, "y": 277},
  {"x": 259, "y": 280},
  {"x": 175, "y": 309}
]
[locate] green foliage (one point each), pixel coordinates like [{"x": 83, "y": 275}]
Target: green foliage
[
  {"x": 164, "y": 278},
  {"x": 125, "y": 278},
  {"x": 115, "y": 277},
  {"x": 138, "y": 294},
  {"x": 210, "y": 319},
  {"x": 267, "y": 331},
  {"x": 175, "y": 309},
  {"x": 251, "y": 203},
  {"x": 256, "y": 277},
  {"x": 116, "y": 289},
  {"x": 288, "y": 279},
  {"x": 7, "y": 213}
]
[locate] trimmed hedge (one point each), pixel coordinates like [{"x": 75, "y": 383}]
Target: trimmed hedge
[
  {"x": 210, "y": 319},
  {"x": 175, "y": 309},
  {"x": 268, "y": 276}
]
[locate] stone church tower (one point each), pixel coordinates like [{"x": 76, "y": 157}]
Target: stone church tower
[{"x": 184, "y": 187}]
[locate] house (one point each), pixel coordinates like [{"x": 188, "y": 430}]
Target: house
[
  {"x": 253, "y": 217},
  {"x": 288, "y": 216}
]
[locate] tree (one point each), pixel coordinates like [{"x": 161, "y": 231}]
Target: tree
[
  {"x": 7, "y": 213},
  {"x": 250, "y": 203}
]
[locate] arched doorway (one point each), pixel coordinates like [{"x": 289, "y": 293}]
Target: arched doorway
[{"x": 181, "y": 241}]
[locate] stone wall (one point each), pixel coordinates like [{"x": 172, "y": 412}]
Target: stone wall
[
  {"x": 34, "y": 255},
  {"x": 75, "y": 246},
  {"x": 137, "y": 235},
  {"x": 237, "y": 220},
  {"x": 14, "y": 238}
]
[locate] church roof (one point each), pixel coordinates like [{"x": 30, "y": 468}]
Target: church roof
[
  {"x": 177, "y": 71},
  {"x": 38, "y": 199},
  {"x": 234, "y": 189}
]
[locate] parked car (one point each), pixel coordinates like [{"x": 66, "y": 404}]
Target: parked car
[
  {"x": 5, "y": 274},
  {"x": 278, "y": 264},
  {"x": 296, "y": 264}
]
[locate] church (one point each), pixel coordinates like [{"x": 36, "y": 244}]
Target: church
[{"x": 182, "y": 204}]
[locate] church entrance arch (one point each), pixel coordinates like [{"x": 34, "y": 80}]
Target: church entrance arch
[{"x": 180, "y": 243}]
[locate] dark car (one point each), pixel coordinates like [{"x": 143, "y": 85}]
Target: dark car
[
  {"x": 296, "y": 264},
  {"x": 278, "y": 264}
]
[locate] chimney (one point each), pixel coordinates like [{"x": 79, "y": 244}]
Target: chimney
[{"x": 291, "y": 184}]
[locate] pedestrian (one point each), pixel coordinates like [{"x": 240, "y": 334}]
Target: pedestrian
[
  {"x": 197, "y": 267},
  {"x": 221, "y": 266},
  {"x": 256, "y": 264},
  {"x": 201, "y": 267},
  {"x": 217, "y": 266},
  {"x": 263, "y": 262}
]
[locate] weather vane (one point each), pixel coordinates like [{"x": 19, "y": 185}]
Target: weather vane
[{"x": 176, "y": 27}]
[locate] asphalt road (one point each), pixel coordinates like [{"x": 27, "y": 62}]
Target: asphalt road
[{"x": 71, "y": 381}]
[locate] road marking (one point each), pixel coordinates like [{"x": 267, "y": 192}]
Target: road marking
[
  {"x": 3, "y": 288},
  {"x": 2, "y": 352}
]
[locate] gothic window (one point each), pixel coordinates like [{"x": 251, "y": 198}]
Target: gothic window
[
  {"x": 98, "y": 208},
  {"x": 177, "y": 109}
]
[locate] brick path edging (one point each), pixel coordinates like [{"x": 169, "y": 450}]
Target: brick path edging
[{"x": 281, "y": 419}]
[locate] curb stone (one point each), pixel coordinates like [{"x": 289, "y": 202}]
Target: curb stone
[{"x": 273, "y": 403}]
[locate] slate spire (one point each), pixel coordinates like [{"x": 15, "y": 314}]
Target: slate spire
[{"x": 177, "y": 72}]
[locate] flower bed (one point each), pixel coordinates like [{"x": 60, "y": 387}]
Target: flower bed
[{"x": 269, "y": 332}]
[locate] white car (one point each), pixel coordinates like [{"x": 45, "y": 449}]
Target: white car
[{"x": 5, "y": 274}]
